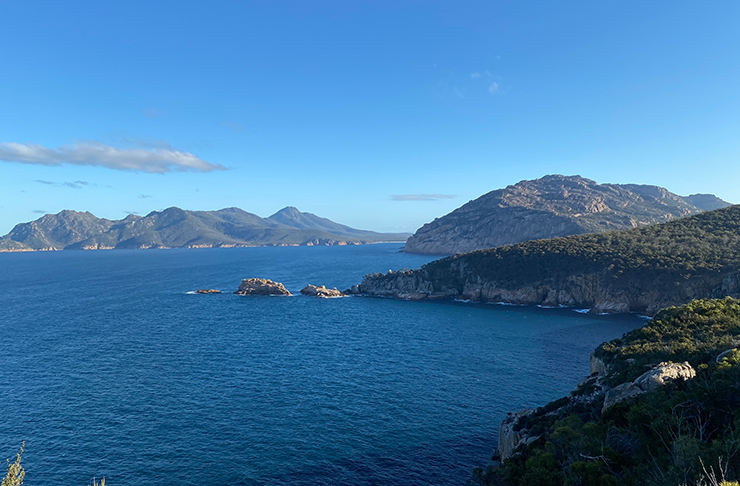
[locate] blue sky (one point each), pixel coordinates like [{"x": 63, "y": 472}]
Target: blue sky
[{"x": 380, "y": 114}]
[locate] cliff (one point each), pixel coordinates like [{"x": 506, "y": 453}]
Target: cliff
[
  {"x": 178, "y": 228},
  {"x": 659, "y": 408},
  {"x": 639, "y": 270},
  {"x": 549, "y": 207}
]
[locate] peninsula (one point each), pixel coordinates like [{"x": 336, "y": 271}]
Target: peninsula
[{"x": 638, "y": 270}]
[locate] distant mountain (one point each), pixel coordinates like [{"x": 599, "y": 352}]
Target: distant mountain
[
  {"x": 706, "y": 202},
  {"x": 178, "y": 228},
  {"x": 292, "y": 217},
  {"x": 554, "y": 205}
]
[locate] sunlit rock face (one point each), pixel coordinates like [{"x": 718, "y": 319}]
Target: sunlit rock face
[
  {"x": 261, "y": 286},
  {"x": 552, "y": 206}
]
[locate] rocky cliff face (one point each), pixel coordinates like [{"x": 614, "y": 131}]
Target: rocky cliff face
[
  {"x": 598, "y": 292},
  {"x": 639, "y": 270},
  {"x": 552, "y": 206},
  {"x": 513, "y": 431}
]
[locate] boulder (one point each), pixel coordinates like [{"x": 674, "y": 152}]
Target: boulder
[
  {"x": 663, "y": 373},
  {"x": 649, "y": 381},
  {"x": 261, "y": 286},
  {"x": 208, "y": 291},
  {"x": 321, "y": 291}
]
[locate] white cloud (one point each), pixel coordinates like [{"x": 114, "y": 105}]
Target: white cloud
[
  {"x": 475, "y": 76},
  {"x": 493, "y": 88},
  {"x": 156, "y": 160},
  {"x": 421, "y": 197},
  {"x": 458, "y": 93}
]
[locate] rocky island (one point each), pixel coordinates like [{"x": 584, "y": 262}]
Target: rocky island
[
  {"x": 261, "y": 286},
  {"x": 321, "y": 291},
  {"x": 552, "y": 206},
  {"x": 637, "y": 270}
]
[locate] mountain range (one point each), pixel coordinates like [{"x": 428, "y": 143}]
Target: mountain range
[
  {"x": 179, "y": 228},
  {"x": 554, "y": 205}
]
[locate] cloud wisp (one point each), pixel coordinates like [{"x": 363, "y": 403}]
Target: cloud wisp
[
  {"x": 155, "y": 160},
  {"x": 421, "y": 197},
  {"x": 73, "y": 185}
]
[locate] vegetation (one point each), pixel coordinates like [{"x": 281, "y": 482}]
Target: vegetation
[
  {"x": 642, "y": 269},
  {"x": 705, "y": 244},
  {"x": 664, "y": 438},
  {"x": 16, "y": 473}
]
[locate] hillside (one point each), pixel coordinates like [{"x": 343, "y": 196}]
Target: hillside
[
  {"x": 552, "y": 206},
  {"x": 178, "y": 228},
  {"x": 638, "y": 270},
  {"x": 660, "y": 408},
  {"x": 294, "y": 218}
]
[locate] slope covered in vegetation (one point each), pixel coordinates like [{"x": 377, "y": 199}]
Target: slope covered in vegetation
[
  {"x": 643, "y": 269},
  {"x": 667, "y": 437}
]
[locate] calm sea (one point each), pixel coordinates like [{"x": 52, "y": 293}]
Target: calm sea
[{"x": 110, "y": 368}]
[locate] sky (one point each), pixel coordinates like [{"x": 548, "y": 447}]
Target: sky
[{"x": 381, "y": 115}]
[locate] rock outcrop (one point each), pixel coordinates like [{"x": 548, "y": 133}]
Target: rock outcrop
[
  {"x": 597, "y": 366},
  {"x": 511, "y": 436},
  {"x": 261, "y": 286},
  {"x": 321, "y": 291},
  {"x": 208, "y": 291},
  {"x": 649, "y": 382},
  {"x": 552, "y": 206},
  {"x": 513, "y": 431}
]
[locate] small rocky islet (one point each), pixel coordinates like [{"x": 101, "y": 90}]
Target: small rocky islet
[{"x": 263, "y": 286}]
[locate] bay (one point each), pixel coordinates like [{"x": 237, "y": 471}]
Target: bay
[{"x": 111, "y": 368}]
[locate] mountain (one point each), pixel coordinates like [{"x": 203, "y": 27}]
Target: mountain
[
  {"x": 638, "y": 270},
  {"x": 292, "y": 217},
  {"x": 178, "y": 228},
  {"x": 554, "y": 205}
]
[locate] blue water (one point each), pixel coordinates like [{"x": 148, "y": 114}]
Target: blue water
[{"x": 110, "y": 368}]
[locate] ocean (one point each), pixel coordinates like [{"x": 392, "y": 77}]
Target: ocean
[{"x": 110, "y": 367}]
